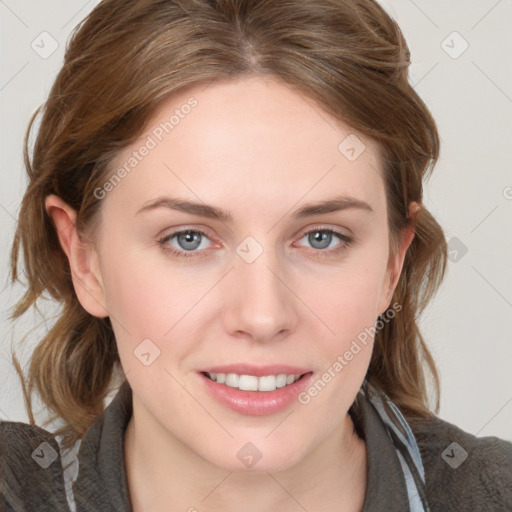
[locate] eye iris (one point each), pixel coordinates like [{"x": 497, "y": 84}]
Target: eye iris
[
  {"x": 189, "y": 240},
  {"x": 320, "y": 236}
]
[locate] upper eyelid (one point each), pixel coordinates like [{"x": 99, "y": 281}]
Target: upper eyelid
[{"x": 335, "y": 231}]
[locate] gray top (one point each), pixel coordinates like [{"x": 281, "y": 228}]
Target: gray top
[{"x": 462, "y": 472}]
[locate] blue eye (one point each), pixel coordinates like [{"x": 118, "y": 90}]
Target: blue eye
[
  {"x": 320, "y": 239},
  {"x": 324, "y": 240},
  {"x": 190, "y": 240}
]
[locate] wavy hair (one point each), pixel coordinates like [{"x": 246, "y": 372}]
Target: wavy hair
[{"x": 121, "y": 62}]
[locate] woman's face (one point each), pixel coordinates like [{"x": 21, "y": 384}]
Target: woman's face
[{"x": 258, "y": 288}]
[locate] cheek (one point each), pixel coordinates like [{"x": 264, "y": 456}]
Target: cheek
[
  {"x": 148, "y": 302},
  {"x": 350, "y": 310},
  {"x": 346, "y": 298},
  {"x": 147, "y": 295}
]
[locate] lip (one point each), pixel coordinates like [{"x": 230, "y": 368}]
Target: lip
[
  {"x": 256, "y": 403},
  {"x": 257, "y": 371}
]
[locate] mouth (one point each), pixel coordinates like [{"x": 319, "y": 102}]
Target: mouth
[
  {"x": 255, "y": 390},
  {"x": 246, "y": 382}
]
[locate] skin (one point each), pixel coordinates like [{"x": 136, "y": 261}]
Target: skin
[{"x": 295, "y": 304}]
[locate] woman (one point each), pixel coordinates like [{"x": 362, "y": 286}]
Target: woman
[{"x": 226, "y": 198}]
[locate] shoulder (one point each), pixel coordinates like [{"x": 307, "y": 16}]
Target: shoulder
[
  {"x": 30, "y": 469},
  {"x": 462, "y": 471}
]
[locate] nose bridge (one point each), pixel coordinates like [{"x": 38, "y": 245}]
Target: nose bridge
[
  {"x": 261, "y": 303},
  {"x": 257, "y": 271}
]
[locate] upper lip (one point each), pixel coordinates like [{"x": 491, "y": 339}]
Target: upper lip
[{"x": 257, "y": 371}]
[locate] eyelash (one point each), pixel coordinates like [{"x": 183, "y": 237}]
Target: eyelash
[{"x": 346, "y": 242}]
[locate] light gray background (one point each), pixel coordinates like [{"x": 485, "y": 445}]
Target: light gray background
[{"x": 468, "y": 326}]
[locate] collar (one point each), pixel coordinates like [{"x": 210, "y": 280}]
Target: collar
[
  {"x": 101, "y": 477},
  {"x": 380, "y": 414}
]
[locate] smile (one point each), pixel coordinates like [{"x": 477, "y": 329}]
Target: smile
[
  {"x": 255, "y": 389},
  {"x": 253, "y": 383}
]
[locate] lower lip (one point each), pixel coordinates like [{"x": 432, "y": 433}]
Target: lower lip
[{"x": 257, "y": 403}]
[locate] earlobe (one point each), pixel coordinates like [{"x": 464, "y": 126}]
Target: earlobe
[{"x": 82, "y": 257}]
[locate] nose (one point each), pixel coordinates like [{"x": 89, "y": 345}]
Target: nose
[{"x": 260, "y": 304}]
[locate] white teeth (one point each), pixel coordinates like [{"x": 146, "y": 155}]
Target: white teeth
[
  {"x": 253, "y": 383},
  {"x": 232, "y": 380},
  {"x": 248, "y": 383},
  {"x": 267, "y": 383},
  {"x": 281, "y": 380}
]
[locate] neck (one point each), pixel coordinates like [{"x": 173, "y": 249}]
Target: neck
[{"x": 332, "y": 475}]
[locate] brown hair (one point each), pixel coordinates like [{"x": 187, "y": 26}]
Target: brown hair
[{"x": 121, "y": 62}]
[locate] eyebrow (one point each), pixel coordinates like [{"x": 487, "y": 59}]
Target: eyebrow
[{"x": 334, "y": 204}]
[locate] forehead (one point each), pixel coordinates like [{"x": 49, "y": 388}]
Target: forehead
[{"x": 254, "y": 138}]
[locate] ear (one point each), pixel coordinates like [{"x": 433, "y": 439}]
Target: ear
[
  {"x": 82, "y": 257},
  {"x": 396, "y": 262}
]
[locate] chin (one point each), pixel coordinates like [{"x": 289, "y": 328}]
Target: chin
[{"x": 255, "y": 457}]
